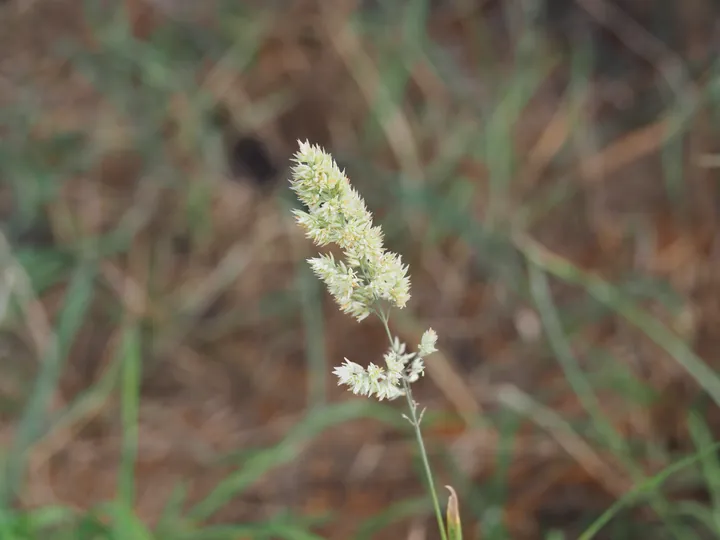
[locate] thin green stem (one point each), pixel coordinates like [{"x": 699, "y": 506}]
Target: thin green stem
[
  {"x": 415, "y": 422},
  {"x": 385, "y": 318}
]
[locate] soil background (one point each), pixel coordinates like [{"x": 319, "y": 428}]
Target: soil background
[{"x": 485, "y": 135}]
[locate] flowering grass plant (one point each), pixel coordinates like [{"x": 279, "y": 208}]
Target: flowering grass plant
[{"x": 369, "y": 281}]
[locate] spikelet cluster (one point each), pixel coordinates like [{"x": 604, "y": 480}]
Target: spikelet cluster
[
  {"x": 338, "y": 215},
  {"x": 369, "y": 274}
]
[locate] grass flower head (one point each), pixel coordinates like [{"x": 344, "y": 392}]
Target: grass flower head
[
  {"x": 338, "y": 215},
  {"x": 369, "y": 274},
  {"x": 370, "y": 279}
]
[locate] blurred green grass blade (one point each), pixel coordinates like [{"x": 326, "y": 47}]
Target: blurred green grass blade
[
  {"x": 288, "y": 449},
  {"x": 46, "y": 520},
  {"x": 540, "y": 292},
  {"x": 125, "y": 524},
  {"x": 271, "y": 531},
  {"x": 30, "y": 427},
  {"x": 131, "y": 353},
  {"x": 610, "y": 296},
  {"x": 393, "y": 514},
  {"x": 18, "y": 524},
  {"x": 44, "y": 267},
  {"x": 92, "y": 527},
  {"x": 458, "y": 197},
  {"x": 161, "y": 65},
  {"x": 699, "y": 513},
  {"x": 619, "y": 377},
  {"x": 50, "y": 516},
  {"x": 703, "y": 439},
  {"x": 494, "y": 252},
  {"x": 171, "y": 517},
  {"x": 7, "y": 531},
  {"x": 393, "y": 76},
  {"x": 508, "y": 425},
  {"x": 452, "y": 150},
  {"x": 499, "y": 141},
  {"x": 198, "y": 202},
  {"x": 674, "y": 167},
  {"x": 310, "y": 292},
  {"x": 33, "y": 524},
  {"x": 644, "y": 488},
  {"x": 413, "y": 22},
  {"x": 88, "y": 402}
]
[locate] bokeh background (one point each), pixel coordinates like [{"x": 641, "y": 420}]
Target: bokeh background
[{"x": 548, "y": 170}]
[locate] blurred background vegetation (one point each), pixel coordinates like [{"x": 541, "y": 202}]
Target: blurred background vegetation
[{"x": 548, "y": 169}]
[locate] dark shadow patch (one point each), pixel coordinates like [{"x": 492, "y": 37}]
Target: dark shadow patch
[
  {"x": 35, "y": 235},
  {"x": 248, "y": 158}
]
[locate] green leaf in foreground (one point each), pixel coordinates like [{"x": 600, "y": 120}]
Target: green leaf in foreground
[{"x": 454, "y": 526}]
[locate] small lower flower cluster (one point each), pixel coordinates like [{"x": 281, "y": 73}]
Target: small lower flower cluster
[
  {"x": 387, "y": 383},
  {"x": 369, "y": 274}
]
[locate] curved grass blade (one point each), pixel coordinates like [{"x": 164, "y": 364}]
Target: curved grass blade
[
  {"x": 315, "y": 423},
  {"x": 702, "y": 437},
  {"x": 314, "y": 330},
  {"x": 649, "y": 486},
  {"x": 608, "y": 295},
  {"x": 130, "y": 351},
  {"x": 126, "y": 524},
  {"x": 75, "y": 305},
  {"x": 393, "y": 514}
]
